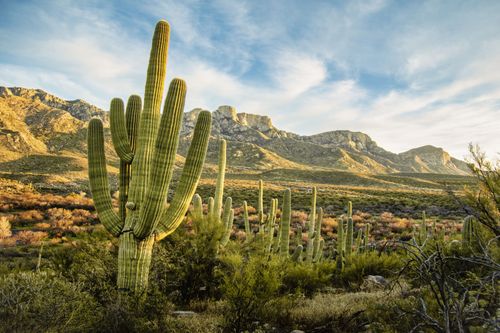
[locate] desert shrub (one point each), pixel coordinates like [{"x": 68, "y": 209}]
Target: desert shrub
[
  {"x": 5, "y": 231},
  {"x": 28, "y": 237},
  {"x": 307, "y": 279},
  {"x": 329, "y": 312},
  {"x": 186, "y": 264},
  {"x": 39, "y": 302},
  {"x": 249, "y": 286},
  {"x": 92, "y": 265},
  {"x": 360, "y": 265}
]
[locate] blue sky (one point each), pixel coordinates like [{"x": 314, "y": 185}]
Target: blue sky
[{"x": 408, "y": 73}]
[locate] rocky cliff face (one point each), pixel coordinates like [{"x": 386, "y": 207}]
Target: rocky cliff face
[{"x": 35, "y": 122}]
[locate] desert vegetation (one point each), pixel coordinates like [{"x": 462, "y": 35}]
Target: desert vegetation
[{"x": 269, "y": 256}]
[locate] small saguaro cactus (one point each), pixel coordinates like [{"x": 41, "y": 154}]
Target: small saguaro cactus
[
  {"x": 350, "y": 230},
  {"x": 340, "y": 244},
  {"x": 317, "y": 233},
  {"x": 227, "y": 221},
  {"x": 146, "y": 145},
  {"x": 248, "y": 230},
  {"x": 468, "y": 230},
  {"x": 260, "y": 206},
  {"x": 219, "y": 185},
  {"x": 310, "y": 228},
  {"x": 286, "y": 217}
]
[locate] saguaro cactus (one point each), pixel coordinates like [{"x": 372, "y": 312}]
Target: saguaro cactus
[
  {"x": 350, "y": 230},
  {"x": 310, "y": 227},
  {"x": 260, "y": 206},
  {"x": 286, "y": 217},
  {"x": 219, "y": 185},
  {"x": 147, "y": 147},
  {"x": 317, "y": 233}
]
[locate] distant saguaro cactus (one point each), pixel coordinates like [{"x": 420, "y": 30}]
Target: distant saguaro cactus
[{"x": 146, "y": 145}]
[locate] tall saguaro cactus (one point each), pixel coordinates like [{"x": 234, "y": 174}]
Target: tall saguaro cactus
[{"x": 146, "y": 144}]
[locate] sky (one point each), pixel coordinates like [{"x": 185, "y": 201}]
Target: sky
[{"x": 407, "y": 73}]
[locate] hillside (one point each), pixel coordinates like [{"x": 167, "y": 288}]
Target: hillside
[{"x": 44, "y": 134}]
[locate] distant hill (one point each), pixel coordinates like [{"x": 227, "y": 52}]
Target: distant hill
[{"x": 38, "y": 129}]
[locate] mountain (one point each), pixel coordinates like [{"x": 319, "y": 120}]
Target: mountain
[{"x": 37, "y": 129}]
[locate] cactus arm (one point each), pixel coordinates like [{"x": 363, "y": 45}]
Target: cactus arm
[
  {"x": 260, "y": 204},
  {"x": 219, "y": 185},
  {"x": 310, "y": 226},
  {"x": 319, "y": 253},
  {"x": 210, "y": 207},
  {"x": 148, "y": 125},
  {"x": 286, "y": 217},
  {"x": 172, "y": 217},
  {"x": 271, "y": 219},
  {"x": 163, "y": 160},
  {"x": 317, "y": 239},
  {"x": 248, "y": 231},
  {"x": 227, "y": 220},
  {"x": 98, "y": 177},
  {"x": 119, "y": 133},
  {"x": 132, "y": 115},
  {"x": 197, "y": 212}
]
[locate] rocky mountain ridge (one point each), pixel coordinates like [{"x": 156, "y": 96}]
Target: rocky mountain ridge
[{"x": 35, "y": 122}]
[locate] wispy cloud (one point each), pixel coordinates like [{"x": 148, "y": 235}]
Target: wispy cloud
[{"x": 406, "y": 74}]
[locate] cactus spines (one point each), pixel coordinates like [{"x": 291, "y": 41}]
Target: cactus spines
[
  {"x": 286, "y": 217},
  {"x": 219, "y": 185},
  {"x": 310, "y": 227},
  {"x": 147, "y": 147},
  {"x": 317, "y": 238}
]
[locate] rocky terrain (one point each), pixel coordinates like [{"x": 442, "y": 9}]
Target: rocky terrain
[{"x": 40, "y": 132}]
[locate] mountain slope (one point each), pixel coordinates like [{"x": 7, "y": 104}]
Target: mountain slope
[{"x": 33, "y": 122}]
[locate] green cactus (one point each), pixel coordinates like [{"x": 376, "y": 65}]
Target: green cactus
[
  {"x": 210, "y": 208},
  {"x": 197, "y": 212},
  {"x": 317, "y": 233},
  {"x": 319, "y": 254},
  {"x": 297, "y": 254},
  {"x": 227, "y": 221},
  {"x": 366, "y": 239},
  {"x": 310, "y": 228},
  {"x": 359, "y": 238},
  {"x": 147, "y": 147},
  {"x": 248, "y": 230},
  {"x": 350, "y": 230},
  {"x": 468, "y": 230},
  {"x": 219, "y": 185},
  {"x": 286, "y": 217},
  {"x": 422, "y": 232},
  {"x": 260, "y": 206},
  {"x": 340, "y": 244},
  {"x": 271, "y": 221}
]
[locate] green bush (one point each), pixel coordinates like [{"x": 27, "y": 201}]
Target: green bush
[
  {"x": 307, "y": 279},
  {"x": 370, "y": 263},
  {"x": 249, "y": 287},
  {"x": 39, "y": 302}
]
